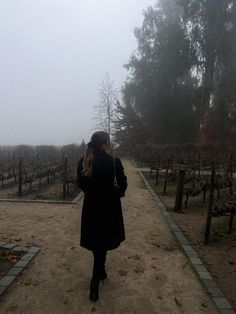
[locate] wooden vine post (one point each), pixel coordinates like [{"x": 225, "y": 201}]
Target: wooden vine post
[
  {"x": 231, "y": 221},
  {"x": 158, "y": 172},
  {"x": 20, "y": 177},
  {"x": 64, "y": 177},
  {"x": 231, "y": 167},
  {"x": 199, "y": 164},
  {"x": 14, "y": 167},
  {"x": 180, "y": 188},
  {"x": 166, "y": 177},
  {"x": 210, "y": 205}
]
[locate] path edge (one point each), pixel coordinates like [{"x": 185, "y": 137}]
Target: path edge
[
  {"x": 22, "y": 200},
  {"x": 19, "y": 266},
  {"x": 217, "y": 296}
]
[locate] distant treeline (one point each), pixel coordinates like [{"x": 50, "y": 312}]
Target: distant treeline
[{"x": 72, "y": 151}]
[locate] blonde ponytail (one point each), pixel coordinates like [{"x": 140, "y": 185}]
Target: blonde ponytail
[
  {"x": 88, "y": 163},
  {"x": 97, "y": 140}
]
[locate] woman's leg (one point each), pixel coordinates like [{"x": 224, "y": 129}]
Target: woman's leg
[
  {"x": 99, "y": 264},
  {"x": 98, "y": 273}
]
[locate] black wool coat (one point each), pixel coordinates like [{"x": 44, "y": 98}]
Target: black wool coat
[{"x": 102, "y": 226}]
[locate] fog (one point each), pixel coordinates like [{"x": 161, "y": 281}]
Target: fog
[{"x": 53, "y": 56}]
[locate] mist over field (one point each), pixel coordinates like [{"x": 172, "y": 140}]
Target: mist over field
[
  {"x": 144, "y": 71},
  {"x": 54, "y": 54}
]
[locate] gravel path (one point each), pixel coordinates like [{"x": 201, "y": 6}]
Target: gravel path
[{"x": 147, "y": 274}]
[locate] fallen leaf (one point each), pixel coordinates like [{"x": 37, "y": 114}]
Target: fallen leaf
[
  {"x": 15, "y": 240},
  {"x": 52, "y": 272},
  {"x": 155, "y": 244},
  {"x": 72, "y": 248},
  {"x": 122, "y": 272},
  {"x": 20, "y": 282},
  {"x": 136, "y": 257},
  {"x": 202, "y": 309},
  {"x": 27, "y": 281},
  {"x": 69, "y": 290},
  {"x": 154, "y": 267},
  {"x": 11, "y": 259},
  {"x": 177, "y": 302},
  {"x": 139, "y": 270},
  {"x": 35, "y": 283},
  {"x": 10, "y": 307},
  {"x": 203, "y": 305}
]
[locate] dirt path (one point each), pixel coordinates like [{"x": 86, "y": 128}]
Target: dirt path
[{"x": 147, "y": 274}]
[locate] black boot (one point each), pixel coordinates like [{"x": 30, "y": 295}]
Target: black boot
[
  {"x": 94, "y": 287},
  {"x": 103, "y": 274},
  {"x": 99, "y": 273}
]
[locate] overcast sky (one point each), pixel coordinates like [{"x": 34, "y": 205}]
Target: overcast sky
[{"x": 53, "y": 56}]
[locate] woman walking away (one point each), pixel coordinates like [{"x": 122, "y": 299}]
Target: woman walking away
[{"x": 103, "y": 181}]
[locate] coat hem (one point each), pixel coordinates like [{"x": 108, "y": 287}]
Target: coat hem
[{"x": 107, "y": 248}]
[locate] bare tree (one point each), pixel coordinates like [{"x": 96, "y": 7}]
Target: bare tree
[{"x": 104, "y": 111}]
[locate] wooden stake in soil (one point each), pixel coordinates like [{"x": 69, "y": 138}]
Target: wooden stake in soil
[
  {"x": 180, "y": 189},
  {"x": 14, "y": 165},
  {"x": 231, "y": 221},
  {"x": 210, "y": 205},
  {"x": 231, "y": 167},
  {"x": 166, "y": 177},
  {"x": 157, "y": 173},
  {"x": 64, "y": 177},
  {"x": 199, "y": 164},
  {"x": 20, "y": 177}
]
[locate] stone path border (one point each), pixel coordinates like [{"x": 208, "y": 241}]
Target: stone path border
[
  {"x": 20, "y": 266},
  {"x": 21, "y": 200},
  {"x": 222, "y": 304}
]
